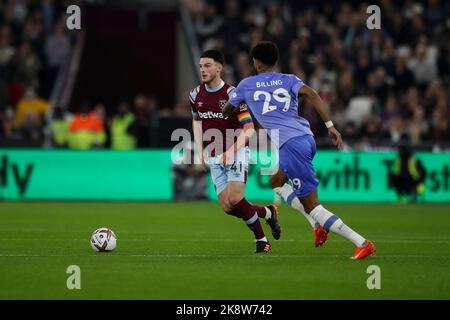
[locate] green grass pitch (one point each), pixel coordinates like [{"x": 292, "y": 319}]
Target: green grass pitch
[{"x": 195, "y": 251}]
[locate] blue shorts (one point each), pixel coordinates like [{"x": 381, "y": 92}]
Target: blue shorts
[{"x": 296, "y": 157}]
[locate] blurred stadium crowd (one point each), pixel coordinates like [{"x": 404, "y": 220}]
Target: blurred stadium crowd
[
  {"x": 383, "y": 87},
  {"x": 34, "y": 45}
]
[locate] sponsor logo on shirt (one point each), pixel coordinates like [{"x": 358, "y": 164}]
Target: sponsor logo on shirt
[{"x": 210, "y": 115}]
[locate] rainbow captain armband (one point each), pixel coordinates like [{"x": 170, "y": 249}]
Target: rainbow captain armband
[{"x": 244, "y": 117}]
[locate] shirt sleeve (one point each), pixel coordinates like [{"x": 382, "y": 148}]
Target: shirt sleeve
[
  {"x": 194, "y": 112},
  {"x": 192, "y": 96},
  {"x": 237, "y": 95},
  {"x": 297, "y": 84}
]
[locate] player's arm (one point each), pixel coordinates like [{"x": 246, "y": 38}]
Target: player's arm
[
  {"x": 197, "y": 127},
  {"x": 236, "y": 99},
  {"x": 234, "y": 104},
  {"x": 248, "y": 129},
  {"x": 318, "y": 105},
  {"x": 228, "y": 110},
  {"x": 198, "y": 139}
]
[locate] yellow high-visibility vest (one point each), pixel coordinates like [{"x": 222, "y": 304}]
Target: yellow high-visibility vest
[
  {"x": 85, "y": 139},
  {"x": 120, "y": 138},
  {"x": 412, "y": 168},
  {"x": 60, "y": 130}
]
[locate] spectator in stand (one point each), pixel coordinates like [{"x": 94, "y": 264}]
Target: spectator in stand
[
  {"x": 25, "y": 61},
  {"x": 3, "y": 95},
  {"x": 403, "y": 77},
  {"x": 423, "y": 65},
  {"x": 390, "y": 111},
  {"x": 350, "y": 133},
  {"x": 30, "y": 103},
  {"x": 145, "y": 110},
  {"x": 330, "y": 41},
  {"x": 100, "y": 112},
  {"x": 208, "y": 23},
  {"x": 121, "y": 138},
  {"x": 59, "y": 127},
  {"x": 411, "y": 103},
  {"x": 441, "y": 132},
  {"x": 32, "y": 129},
  {"x": 233, "y": 28},
  {"x": 370, "y": 128},
  {"x": 418, "y": 127},
  {"x": 380, "y": 84},
  {"x": 25, "y": 66},
  {"x": 435, "y": 97},
  {"x": 86, "y": 130},
  {"x": 397, "y": 131},
  {"x": 57, "y": 50},
  {"x": 6, "y": 113},
  {"x": 7, "y": 51},
  {"x": 362, "y": 70}
]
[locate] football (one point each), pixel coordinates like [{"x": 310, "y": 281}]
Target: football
[{"x": 103, "y": 240}]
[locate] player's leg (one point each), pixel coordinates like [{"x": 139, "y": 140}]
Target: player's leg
[
  {"x": 284, "y": 190},
  {"x": 226, "y": 206},
  {"x": 220, "y": 181},
  {"x": 270, "y": 214},
  {"x": 237, "y": 178},
  {"x": 238, "y": 172},
  {"x": 238, "y": 207},
  {"x": 296, "y": 158},
  {"x": 247, "y": 211},
  {"x": 219, "y": 174},
  {"x": 242, "y": 209},
  {"x": 328, "y": 220},
  {"x": 332, "y": 222},
  {"x": 229, "y": 208},
  {"x": 278, "y": 182}
]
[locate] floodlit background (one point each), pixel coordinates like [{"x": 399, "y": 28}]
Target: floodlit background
[{"x": 383, "y": 86}]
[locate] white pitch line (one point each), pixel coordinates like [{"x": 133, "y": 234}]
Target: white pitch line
[
  {"x": 419, "y": 237},
  {"x": 152, "y": 239},
  {"x": 232, "y": 256},
  {"x": 229, "y": 240}
]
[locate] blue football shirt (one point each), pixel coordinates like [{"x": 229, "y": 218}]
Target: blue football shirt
[{"x": 273, "y": 100}]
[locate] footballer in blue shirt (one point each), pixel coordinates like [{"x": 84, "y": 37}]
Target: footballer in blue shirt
[{"x": 272, "y": 98}]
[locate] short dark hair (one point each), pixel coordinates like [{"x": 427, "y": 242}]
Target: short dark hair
[
  {"x": 266, "y": 52},
  {"x": 216, "y": 55}
]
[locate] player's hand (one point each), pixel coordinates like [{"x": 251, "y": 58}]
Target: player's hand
[
  {"x": 225, "y": 157},
  {"x": 202, "y": 162},
  {"x": 336, "y": 137}
]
